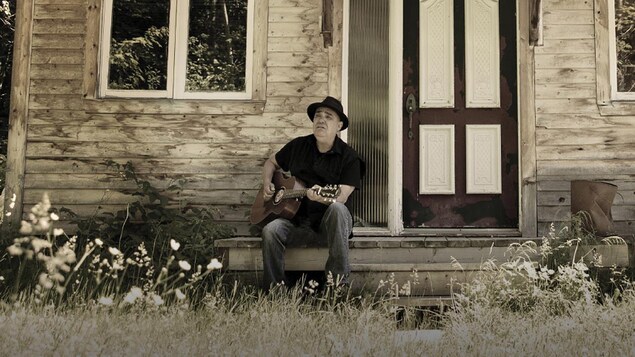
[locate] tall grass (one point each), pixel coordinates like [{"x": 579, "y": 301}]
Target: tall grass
[{"x": 66, "y": 298}]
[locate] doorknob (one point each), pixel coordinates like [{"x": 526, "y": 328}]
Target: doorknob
[{"x": 411, "y": 107}]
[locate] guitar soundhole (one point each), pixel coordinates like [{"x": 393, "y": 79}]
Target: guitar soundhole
[{"x": 278, "y": 196}]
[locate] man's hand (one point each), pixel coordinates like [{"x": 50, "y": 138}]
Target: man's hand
[
  {"x": 312, "y": 194},
  {"x": 268, "y": 191}
]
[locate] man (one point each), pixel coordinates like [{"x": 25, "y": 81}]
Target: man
[{"x": 319, "y": 159}]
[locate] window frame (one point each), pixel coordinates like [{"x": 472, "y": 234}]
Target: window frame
[
  {"x": 609, "y": 100},
  {"x": 177, "y": 59}
]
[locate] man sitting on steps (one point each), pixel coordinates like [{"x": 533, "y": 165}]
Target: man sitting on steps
[{"x": 316, "y": 160}]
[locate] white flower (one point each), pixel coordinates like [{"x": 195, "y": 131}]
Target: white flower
[
  {"x": 54, "y": 216},
  {"x": 25, "y": 227},
  {"x": 58, "y": 232},
  {"x": 99, "y": 242},
  {"x": 133, "y": 295},
  {"x": 114, "y": 251},
  {"x": 156, "y": 299},
  {"x": 184, "y": 265},
  {"x": 39, "y": 244},
  {"x": 174, "y": 245},
  {"x": 214, "y": 264},
  {"x": 105, "y": 300},
  {"x": 179, "y": 294}
]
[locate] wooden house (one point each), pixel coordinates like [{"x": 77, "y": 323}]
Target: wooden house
[{"x": 473, "y": 117}]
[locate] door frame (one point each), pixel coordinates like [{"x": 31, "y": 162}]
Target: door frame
[{"x": 526, "y": 123}]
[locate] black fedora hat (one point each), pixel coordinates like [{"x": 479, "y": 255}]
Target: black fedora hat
[{"x": 332, "y": 103}]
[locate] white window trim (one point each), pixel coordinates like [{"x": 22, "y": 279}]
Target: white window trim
[
  {"x": 177, "y": 58},
  {"x": 615, "y": 95}
]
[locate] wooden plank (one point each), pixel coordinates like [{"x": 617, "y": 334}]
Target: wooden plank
[
  {"x": 565, "y": 75},
  {"x": 613, "y": 136},
  {"x": 58, "y": 41},
  {"x": 566, "y": 106},
  {"x": 56, "y": 86},
  {"x": 18, "y": 114},
  {"x": 586, "y": 152},
  {"x": 563, "y": 213},
  {"x": 335, "y": 49},
  {"x": 290, "y": 104},
  {"x": 172, "y": 135},
  {"x": 292, "y": 3},
  {"x": 59, "y": 26},
  {"x": 293, "y": 29},
  {"x": 558, "y": 32},
  {"x": 565, "y": 90},
  {"x": 145, "y": 166},
  {"x": 57, "y": 71},
  {"x": 281, "y": 89},
  {"x": 57, "y": 2},
  {"x": 266, "y": 120},
  {"x": 602, "y": 40},
  {"x": 294, "y": 14},
  {"x": 57, "y": 56},
  {"x": 91, "y": 48},
  {"x": 205, "y": 181},
  {"x": 568, "y": 17},
  {"x": 169, "y": 106},
  {"x": 150, "y": 150},
  {"x": 549, "y": 5},
  {"x": 623, "y": 182},
  {"x": 624, "y": 229},
  {"x": 586, "y": 168},
  {"x": 295, "y": 44},
  {"x": 297, "y": 74},
  {"x": 59, "y": 11},
  {"x": 565, "y": 60},
  {"x": 625, "y": 198},
  {"x": 56, "y": 101},
  {"x": 557, "y": 121},
  {"x": 585, "y": 46},
  {"x": 221, "y": 213},
  {"x": 294, "y": 59},
  {"x": 259, "y": 55}
]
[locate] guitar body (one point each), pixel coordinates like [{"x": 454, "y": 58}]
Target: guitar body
[{"x": 263, "y": 212}]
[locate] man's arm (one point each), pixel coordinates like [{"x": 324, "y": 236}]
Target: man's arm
[{"x": 270, "y": 166}]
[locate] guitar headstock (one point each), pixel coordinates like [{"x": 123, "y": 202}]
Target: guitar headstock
[{"x": 330, "y": 192}]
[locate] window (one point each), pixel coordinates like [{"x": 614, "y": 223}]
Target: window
[
  {"x": 183, "y": 49},
  {"x": 622, "y": 35}
]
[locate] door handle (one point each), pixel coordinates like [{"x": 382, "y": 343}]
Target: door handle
[{"x": 411, "y": 107}]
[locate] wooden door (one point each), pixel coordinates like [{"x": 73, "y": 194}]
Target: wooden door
[{"x": 460, "y": 142}]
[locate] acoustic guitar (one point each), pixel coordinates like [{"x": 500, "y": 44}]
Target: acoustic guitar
[{"x": 286, "y": 199}]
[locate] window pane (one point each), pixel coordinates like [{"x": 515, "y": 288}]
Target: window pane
[
  {"x": 217, "y": 46},
  {"x": 625, "y": 42},
  {"x": 139, "y": 44}
]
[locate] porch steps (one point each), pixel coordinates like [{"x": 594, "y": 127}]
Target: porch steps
[{"x": 431, "y": 267}]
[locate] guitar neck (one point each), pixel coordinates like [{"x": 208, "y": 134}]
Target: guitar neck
[{"x": 295, "y": 193}]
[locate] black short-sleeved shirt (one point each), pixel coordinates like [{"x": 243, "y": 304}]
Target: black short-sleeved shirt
[{"x": 340, "y": 165}]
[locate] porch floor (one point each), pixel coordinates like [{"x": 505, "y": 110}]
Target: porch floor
[{"x": 433, "y": 267}]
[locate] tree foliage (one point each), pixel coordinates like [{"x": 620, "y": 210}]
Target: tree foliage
[{"x": 216, "y": 45}]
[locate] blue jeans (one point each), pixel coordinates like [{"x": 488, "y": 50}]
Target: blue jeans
[{"x": 335, "y": 229}]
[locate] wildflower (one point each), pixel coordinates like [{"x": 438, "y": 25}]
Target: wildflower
[
  {"x": 15, "y": 250},
  {"x": 184, "y": 265},
  {"x": 174, "y": 245},
  {"x": 39, "y": 244},
  {"x": 58, "y": 232},
  {"x": 54, "y": 216},
  {"x": 179, "y": 294},
  {"x": 156, "y": 299},
  {"x": 114, "y": 251},
  {"x": 133, "y": 295},
  {"x": 105, "y": 300},
  {"x": 99, "y": 242},
  {"x": 25, "y": 228},
  {"x": 214, "y": 264}
]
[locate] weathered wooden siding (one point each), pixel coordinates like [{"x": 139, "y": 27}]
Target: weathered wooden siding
[
  {"x": 573, "y": 140},
  {"x": 220, "y": 155}
]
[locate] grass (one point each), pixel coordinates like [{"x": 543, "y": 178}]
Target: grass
[
  {"x": 287, "y": 325},
  {"x": 81, "y": 297}
]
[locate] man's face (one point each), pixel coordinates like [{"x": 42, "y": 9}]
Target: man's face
[{"x": 326, "y": 123}]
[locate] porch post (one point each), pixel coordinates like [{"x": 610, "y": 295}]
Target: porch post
[
  {"x": 395, "y": 131},
  {"x": 19, "y": 107}
]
